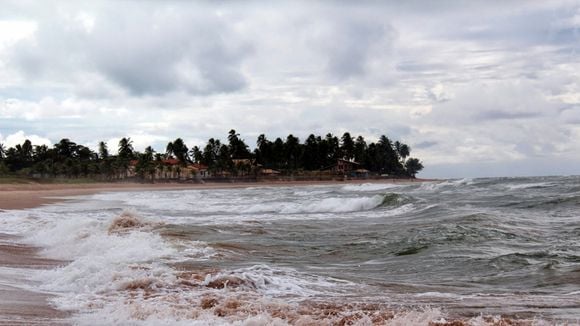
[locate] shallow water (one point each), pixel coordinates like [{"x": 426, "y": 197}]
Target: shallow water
[{"x": 467, "y": 250}]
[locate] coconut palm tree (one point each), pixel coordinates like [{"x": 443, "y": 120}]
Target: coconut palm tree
[
  {"x": 178, "y": 149},
  {"x": 403, "y": 150},
  {"x": 103, "y": 150},
  {"x": 126, "y": 150},
  {"x": 196, "y": 154},
  {"x": 360, "y": 149},
  {"x": 347, "y": 146}
]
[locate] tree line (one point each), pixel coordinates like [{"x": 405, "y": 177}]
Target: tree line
[{"x": 69, "y": 159}]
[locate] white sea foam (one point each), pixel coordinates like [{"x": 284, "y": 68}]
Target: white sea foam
[
  {"x": 324, "y": 205},
  {"x": 336, "y": 205},
  {"x": 435, "y": 186},
  {"x": 128, "y": 274},
  {"x": 528, "y": 185},
  {"x": 102, "y": 262},
  {"x": 278, "y": 282},
  {"x": 370, "y": 187},
  {"x": 417, "y": 317},
  {"x": 309, "y": 193}
]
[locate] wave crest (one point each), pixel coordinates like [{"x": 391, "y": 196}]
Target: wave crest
[{"x": 126, "y": 221}]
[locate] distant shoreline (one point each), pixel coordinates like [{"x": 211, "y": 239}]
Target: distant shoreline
[{"x": 31, "y": 195}]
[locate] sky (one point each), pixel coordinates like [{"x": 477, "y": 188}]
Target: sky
[{"x": 475, "y": 88}]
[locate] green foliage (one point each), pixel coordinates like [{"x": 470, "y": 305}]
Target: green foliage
[
  {"x": 413, "y": 166},
  {"x": 4, "y": 169},
  {"x": 126, "y": 149},
  {"x": 179, "y": 150},
  {"x": 67, "y": 159}
]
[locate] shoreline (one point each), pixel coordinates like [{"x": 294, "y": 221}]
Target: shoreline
[
  {"x": 18, "y": 305},
  {"x": 21, "y": 306},
  {"x": 32, "y": 195}
]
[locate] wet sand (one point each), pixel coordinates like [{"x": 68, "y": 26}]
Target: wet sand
[{"x": 19, "y": 306}]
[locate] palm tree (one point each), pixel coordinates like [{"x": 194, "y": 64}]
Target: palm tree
[
  {"x": 126, "y": 150},
  {"x": 413, "y": 166},
  {"x": 178, "y": 149},
  {"x": 403, "y": 150},
  {"x": 126, "y": 154},
  {"x": 237, "y": 146},
  {"x": 65, "y": 148},
  {"x": 347, "y": 146},
  {"x": 293, "y": 151},
  {"x": 145, "y": 165},
  {"x": 196, "y": 154},
  {"x": 263, "y": 151},
  {"x": 360, "y": 149},
  {"x": 103, "y": 150}
]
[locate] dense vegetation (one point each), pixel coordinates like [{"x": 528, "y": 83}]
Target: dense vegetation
[{"x": 289, "y": 156}]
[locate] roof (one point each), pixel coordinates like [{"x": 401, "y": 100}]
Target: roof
[
  {"x": 170, "y": 161},
  {"x": 347, "y": 161},
  {"x": 270, "y": 171},
  {"x": 198, "y": 166}
]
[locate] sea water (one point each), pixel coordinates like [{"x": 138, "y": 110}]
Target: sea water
[{"x": 478, "y": 251}]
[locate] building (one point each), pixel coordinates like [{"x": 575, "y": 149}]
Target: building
[
  {"x": 198, "y": 171},
  {"x": 345, "y": 166}
]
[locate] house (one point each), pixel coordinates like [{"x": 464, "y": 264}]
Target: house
[
  {"x": 243, "y": 166},
  {"x": 169, "y": 169},
  {"x": 198, "y": 171},
  {"x": 344, "y": 166},
  {"x": 360, "y": 173}
]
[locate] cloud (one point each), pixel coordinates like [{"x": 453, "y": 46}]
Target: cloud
[
  {"x": 425, "y": 144},
  {"x": 495, "y": 100},
  {"x": 20, "y": 136},
  {"x": 490, "y": 83},
  {"x": 150, "y": 52},
  {"x": 350, "y": 43}
]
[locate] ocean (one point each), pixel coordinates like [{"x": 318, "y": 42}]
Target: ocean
[{"x": 472, "y": 251}]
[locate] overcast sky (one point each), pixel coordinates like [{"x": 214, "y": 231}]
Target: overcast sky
[{"x": 476, "y": 88}]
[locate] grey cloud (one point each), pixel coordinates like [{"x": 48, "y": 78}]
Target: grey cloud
[
  {"x": 350, "y": 42},
  {"x": 474, "y": 81},
  {"x": 157, "y": 50},
  {"x": 418, "y": 67},
  {"x": 492, "y": 101},
  {"x": 501, "y": 23},
  {"x": 571, "y": 114},
  {"x": 505, "y": 115},
  {"x": 350, "y": 47},
  {"x": 425, "y": 144}
]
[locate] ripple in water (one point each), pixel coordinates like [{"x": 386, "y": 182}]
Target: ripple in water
[{"x": 459, "y": 252}]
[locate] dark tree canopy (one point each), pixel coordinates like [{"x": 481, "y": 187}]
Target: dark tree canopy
[{"x": 289, "y": 155}]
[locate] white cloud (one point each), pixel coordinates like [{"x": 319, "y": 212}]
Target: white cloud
[{"x": 20, "y": 136}]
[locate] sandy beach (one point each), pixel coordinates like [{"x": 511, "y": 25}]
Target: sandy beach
[{"x": 22, "y": 307}]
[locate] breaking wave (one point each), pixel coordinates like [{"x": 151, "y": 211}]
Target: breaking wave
[
  {"x": 366, "y": 187},
  {"x": 327, "y": 205},
  {"x": 128, "y": 220},
  {"x": 315, "y": 256}
]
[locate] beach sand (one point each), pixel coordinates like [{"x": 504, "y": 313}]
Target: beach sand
[{"x": 19, "y": 306}]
